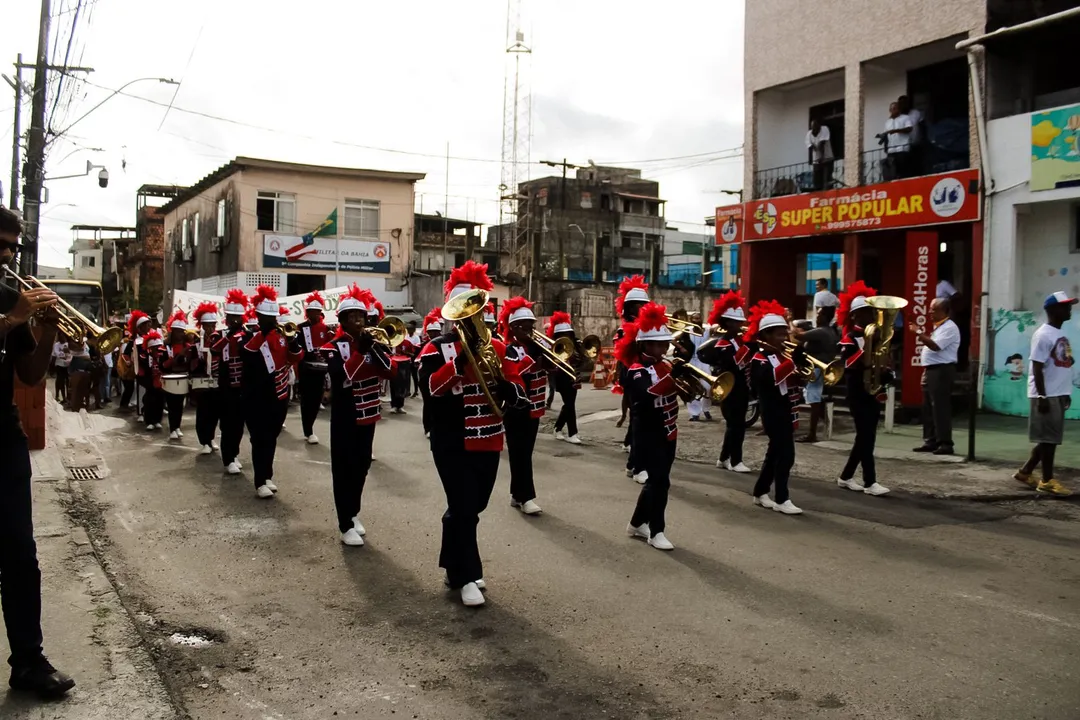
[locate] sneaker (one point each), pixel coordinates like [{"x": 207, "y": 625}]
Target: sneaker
[
  {"x": 721, "y": 464},
  {"x": 660, "y": 542},
  {"x": 529, "y": 507},
  {"x": 876, "y": 489},
  {"x": 924, "y": 448},
  {"x": 264, "y": 492},
  {"x": 239, "y": 464},
  {"x": 471, "y": 595},
  {"x": 214, "y": 445},
  {"x": 765, "y": 501},
  {"x": 850, "y": 484},
  {"x": 1053, "y": 487},
  {"x": 574, "y": 440},
  {"x": 233, "y": 468},
  {"x": 626, "y": 449},
  {"x": 312, "y": 439},
  {"x": 174, "y": 435},
  {"x": 206, "y": 450},
  {"x": 787, "y": 507},
  {"x": 427, "y": 435},
  {"x": 641, "y": 477},
  {"x": 139, "y": 419},
  {"x": 629, "y": 473},
  {"x": 559, "y": 435},
  {"x": 642, "y": 531},
  {"x": 42, "y": 679},
  {"x": 708, "y": 416},
  {"x": 150, "y": 427},
  {"x": 270, "y": 484},
  {"x": 179, "y": 433},
  {"x": 694, "y": 418},
  {"x": 944, "y": 450},
  {"x": 157, "y": 426},
  {"x": 740, "y": 468},
  {"x": 358, "y": 526},
  {"x": 479, "y": 583},
  {"x": 1026, "y": 478},
  {"x": 352, "y": 538}
]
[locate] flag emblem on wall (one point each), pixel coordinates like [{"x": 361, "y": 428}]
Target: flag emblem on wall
[{"x": 306, "y": 246}]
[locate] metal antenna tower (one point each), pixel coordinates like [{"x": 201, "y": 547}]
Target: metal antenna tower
[{"x": 516, "y": 135}]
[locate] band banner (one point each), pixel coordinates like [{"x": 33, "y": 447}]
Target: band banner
[{"x": 188, "y": 301}]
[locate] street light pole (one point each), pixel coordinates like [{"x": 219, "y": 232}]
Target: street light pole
[{"x": 16, "y": 151}]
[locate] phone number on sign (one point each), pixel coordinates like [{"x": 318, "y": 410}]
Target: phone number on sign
[{"x": 847, "y": 224}]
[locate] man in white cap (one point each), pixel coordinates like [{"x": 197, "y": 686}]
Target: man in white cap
[{"x": 311, "y": 373}]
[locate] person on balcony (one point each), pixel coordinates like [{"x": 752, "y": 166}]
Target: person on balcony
[
  {"x": 897, "y": 138},
  {"x": 918, "y": 135},
  {"x": 819, "y": 147}
]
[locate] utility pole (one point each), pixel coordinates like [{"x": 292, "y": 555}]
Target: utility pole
[
  {"x": 35, "y": 148},
  {"x": 16, "y": 151},
  {"x": 562, "y": 206}
]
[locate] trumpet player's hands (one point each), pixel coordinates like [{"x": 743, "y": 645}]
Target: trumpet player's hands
[
  {"x": 30, "y": 303},
  {"x": 365, "y": 342}
]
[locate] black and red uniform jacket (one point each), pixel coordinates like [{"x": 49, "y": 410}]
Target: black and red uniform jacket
[
  {"x": 533, "y": 377},
  {"x": 227, "y": 363},
  {"x": 356, "y": 379},
  {"x": 654, "y": 401},
  {"x": 773, "y": 377},
  {"x": 267, "y": 360}
]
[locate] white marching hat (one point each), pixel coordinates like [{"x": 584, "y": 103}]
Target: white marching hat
[
  {"x": 858, "y": 302},
  {"x": 636, "y": 295},
  {"x": 563, "y": 327},
  {"x": 657, "y": 333},
  {"x": 735, "y": 313},
  {"x": 772, "y": 320},
  {"x": 522, "y": 313}
]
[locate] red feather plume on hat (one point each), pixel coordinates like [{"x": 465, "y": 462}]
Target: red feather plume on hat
[
  {"x": 204, "y": 309},
  {"x": 264, "y": 292},
  {"x": 628, "y": 284},
  {"x": 626, "y": 350},
  {"x": 508, "y": 308},
  {"x": 366, "y": 297},
  {"x": 763, "y": 308},
  {"x": 557, "y": 318},
  {"x": 728, "y": 301},
  {"x": 378, "y": 306},
  {"x": 490, "y": 309},
  {"x": 652, "y": 316},
  {"x": 236, "y": 296},
  {"x": 470, "y": 273},
  {"x": 133, "y": 321},
  {"x": 283, "y": 310},
  {"x": 179, "y": 315},
  {"x": 250, "y": 315},
  {"x": 315, "y": 297},
  {"x": 853, "y": 291},
  {"x": 434, "y": 316},
  {"x": 152, "y": 335}
]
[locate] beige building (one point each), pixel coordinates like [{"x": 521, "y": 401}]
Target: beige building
[{"x": 249, "y": 218}]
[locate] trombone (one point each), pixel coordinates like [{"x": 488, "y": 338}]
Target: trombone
[
  {"x": 73, "y": 323},
  {"x": 678, "y": 325},
  {"x": 831, "y": 372},
  {"x": 690, "y": 382},
  {"x": 390, "y": 331},
  {"x": 558, "y": 353}
]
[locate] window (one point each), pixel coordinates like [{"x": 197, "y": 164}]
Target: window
[
  {"x": 88, "y": 261},
  {"x": 459, "y": 259},
  {"x": 361, "y": 219},
  {"x": 195, "y": 233},
  {"x": 184, "y": 234},
  {"x": 691, "y": 248},
  {"x": 275, "y": 212},
  {"x": 221, "y": 217}
]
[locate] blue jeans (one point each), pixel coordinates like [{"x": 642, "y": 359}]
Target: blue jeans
[
  {"x": 815, "y": 387},
  {"x": 106, "y": 385}
]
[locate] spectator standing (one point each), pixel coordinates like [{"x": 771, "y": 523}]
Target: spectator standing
[
  {"x": 824, "y": 297},
  {"x": 1049, "y": 393},
  {"x": 898, "y": 130},
  {"x": 939, "y": 354},
  {"x": 918, "y": 135},
  {"x": 61, "y": 360},
  {"x": 819, "y": 146},
  {"x": 822, "y": 343},
  {"x": 107, "y": 376}
]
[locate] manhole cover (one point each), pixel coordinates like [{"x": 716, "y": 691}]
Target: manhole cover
[{"x": 84, "y": 473}]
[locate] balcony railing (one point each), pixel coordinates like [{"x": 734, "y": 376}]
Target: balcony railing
[{"x": 798, "y": 178}]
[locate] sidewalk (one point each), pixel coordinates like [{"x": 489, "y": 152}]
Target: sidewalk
[
  {"x": 88, "y": 632},
  {"x": 1001, "y": 447}
]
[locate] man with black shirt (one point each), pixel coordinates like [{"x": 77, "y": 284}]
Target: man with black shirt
[{"x": 20, "y": 578}]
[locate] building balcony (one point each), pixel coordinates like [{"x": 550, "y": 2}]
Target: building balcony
[{"x": 798, "y": 178}]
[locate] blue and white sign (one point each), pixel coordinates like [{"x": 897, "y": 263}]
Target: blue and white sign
[{"x": 325, "y": 253}]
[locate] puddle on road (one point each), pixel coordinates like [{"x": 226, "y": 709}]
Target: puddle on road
[{"x": 193, "y": 640}]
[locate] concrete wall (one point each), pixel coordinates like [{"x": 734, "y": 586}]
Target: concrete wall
[
  {"x": 784, "y": 118},
  {"x": 881, "y": 87}
]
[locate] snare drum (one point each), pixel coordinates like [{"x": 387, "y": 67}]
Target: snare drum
[
  {"x": 203, "y": 382},
  {"x": 177, "y": 384}
]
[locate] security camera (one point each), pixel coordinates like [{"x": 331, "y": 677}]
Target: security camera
[{"x": 103, "y": 178}]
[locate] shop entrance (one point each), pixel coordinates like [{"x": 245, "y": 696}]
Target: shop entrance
[{"x": 296, "y": 284}]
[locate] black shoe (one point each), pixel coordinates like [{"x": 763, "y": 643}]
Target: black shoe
[
  {"x": 944, "y": 450},
  {"x": 925, "y": 448},
  {"x": 708, "y": 416},
  {"x": 42, "y": 679}
]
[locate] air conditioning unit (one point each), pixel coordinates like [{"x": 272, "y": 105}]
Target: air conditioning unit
[{"x": 215, "y": 244}]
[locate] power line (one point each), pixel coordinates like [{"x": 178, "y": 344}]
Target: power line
[{"x": 675, "y": 157}]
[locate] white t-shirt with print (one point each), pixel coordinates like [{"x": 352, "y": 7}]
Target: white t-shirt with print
[{"x": 1050, "y": 347}]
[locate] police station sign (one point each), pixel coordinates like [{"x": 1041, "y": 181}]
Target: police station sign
[{"x": 292, "y": 252}]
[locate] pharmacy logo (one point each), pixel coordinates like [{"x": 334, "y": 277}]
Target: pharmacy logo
[
  {"x": 947, "y": 197},
  {"x": 765, "y": 219}
]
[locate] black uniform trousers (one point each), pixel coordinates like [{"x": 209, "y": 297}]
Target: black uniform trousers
[
  {"x": 350, "y": 460},
  {"x": 153, "y": 404},
  {"x": 311, "y": 392},
  {"x": 779, "y": 457},
  {"x": 652, "y": 500},
  {"x": 399, "y": 385},
  {"x": 865, "y": 412},
  {"x": 20, "y": 578},
  {"x": 521, "y": 433},
  {"x": 734, "y": 411},
  {"x": 231, "y": 413},
  {"x": 128, "y": 391},
  {"x": 175, "y": 405},
  {"x": 264, "y": 420},
  {"x": 467, "y": 479},
  {"x": 568, "y": 414},
  {"x": 207, "y": 413}
]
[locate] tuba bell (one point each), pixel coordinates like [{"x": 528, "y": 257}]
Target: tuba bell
[
  {"x": 73, "y": 323},
  {"x": 466, "y": 310},
  {"x": 289, "y": 329},
  {"x": 878, "y": 339}
]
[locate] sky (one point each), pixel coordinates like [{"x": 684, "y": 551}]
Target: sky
[{"x": 384, "y": 85}]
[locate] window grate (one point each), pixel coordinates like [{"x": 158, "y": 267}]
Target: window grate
[{"x": 84, "y": 473}]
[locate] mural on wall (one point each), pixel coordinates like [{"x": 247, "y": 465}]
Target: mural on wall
[
  {"x": 1055, "y": 148},
  {"x": 1008, "y": 348}
]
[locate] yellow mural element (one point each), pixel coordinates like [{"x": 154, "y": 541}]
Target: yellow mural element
[{"x": 1044, "y": 133}]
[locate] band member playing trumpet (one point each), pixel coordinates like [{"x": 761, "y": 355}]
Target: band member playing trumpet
[
  {"x": 468, "y": 380},
  {"x": 311, "y": 373},
  {"x": 268, "y": 357},
  {"x": 177, "y": 360},
  {"x": 151, "y": 355},
  {"x": 729, "y": 352},
  {"x": 854, "y": 316},
  {"x": 229, "y": 366},
  {"x": 559, "y": 326},
  {"x": 357, "y": 366},
  {"x": 432, "y": 329},
  {"x": 655, "y": 409},
  {"x": 207, "y": 399},
  {"x": 773, "y": 375},
  {"x": 516, "y": 323},
  {"x": 633, "y": 294}
]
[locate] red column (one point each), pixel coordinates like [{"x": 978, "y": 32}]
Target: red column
[
  {"x": 920, "y": 281},
  {"x": 746, "y": 278},
  {"x": 852, "y": 249},
  {"x": 977, "y": 298}
]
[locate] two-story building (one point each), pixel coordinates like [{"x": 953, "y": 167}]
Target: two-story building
[{"x": 298, "y": 227}]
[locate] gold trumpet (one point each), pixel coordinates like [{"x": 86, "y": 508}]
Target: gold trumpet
[
  {"x": 831, "y": 373},
  {"x": 289, "y": 329},
  {"x": 390, "y": 331},
  {"x": 466, "y": 310},
  {"x": 678, "y": 325},
  {"x": 73, "y": 323},
  {"x": 558, "y": 352},
  {"x": 690, "y": 382}
]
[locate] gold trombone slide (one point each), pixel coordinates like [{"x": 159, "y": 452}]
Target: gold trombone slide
[{"x": 73, "y": 323}]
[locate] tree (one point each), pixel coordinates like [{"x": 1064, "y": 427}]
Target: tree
[{"x": 999, "y": 320}]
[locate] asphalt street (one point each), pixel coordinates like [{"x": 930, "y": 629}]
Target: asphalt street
[{"x": 895, "y": 607}]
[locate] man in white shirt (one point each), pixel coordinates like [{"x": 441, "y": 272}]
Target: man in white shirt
[
  {"x": 938, "y": 361},
  {"x": 1049, "y": 389},
  {"x": 819, "y": 147},
  {"x": 898, "y": 130},
  {"x": 824, "y": 297},
  {"x": 61, "y": 361}
]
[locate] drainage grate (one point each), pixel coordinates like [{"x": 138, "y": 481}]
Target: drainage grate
[{"x": 84, "y": 473}]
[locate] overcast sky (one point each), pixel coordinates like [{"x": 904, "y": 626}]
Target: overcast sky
[{"x": 309, "y": 82}]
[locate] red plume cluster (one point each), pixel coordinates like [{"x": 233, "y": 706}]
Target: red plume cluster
[
  {"x": 509, "y": 307},
  {"x": 626, "y": 346},
  {"x": 152, "y": 335},
  {"x": 264, "y": 292},
  {"x": 378, "y": 306},
  {"x": 205, "y": 308},
  {"x": 652, "y": 316},
  {"x": 133, "y": 321},
  {"x": 470, "y": 273},
  {"x": 853, "y": 291},
  {"x": 728, "y": 301},
  {"x": 763, "y": 308},
  {"x": 250, "y": 316},
  {"x": 628, "y": 284},
  {"x": 236, "y": 296},
  {"x": 282, "y": 310},
  {"x": 434, "y": 316},
  {"x": 176, "y": 316},
  {"x": 315, "y": 297},
  {"x": 557, "y": 318}
]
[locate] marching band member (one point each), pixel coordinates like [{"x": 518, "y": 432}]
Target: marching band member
[
  {"x": 491, "y": 321},
  {"x": 516, "y": 323},
  {"x": 311, "y": 374},
  {"x": 853, "y": 316},
  {"x": 137, "y": 326},
  {"x": 357, "y": 366},
  {"x": 208, "y": 400},
  {"x": 150, "y": 358},
  {"x": 251, "y": 320},
  {"x": 655, "y": 411},
  {"x": 466, "y": 435},
  {"x": 229, "y": 365},
  {"x": 178, "y": 360},
  {"x": 772, "y": 373},
  {"x": 375, "y": 313},
  {"x": 633, "y": 294},
  {"x": 267, "y": 359},
  {"x": 432, "y": 329},
  {"x": 558, "y": 326},
  {"x": 284, "y": 318},
  {"x": 732, "y": 354},
  {"x": 699, "y": 407}
]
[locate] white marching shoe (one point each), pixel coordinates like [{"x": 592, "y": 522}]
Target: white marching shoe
[
  {"x": 559, "y": 435},
  {"x": 233, "y": 468},
  {"x": 641, "y": 531},
  {"x": 206, "y": 450},
  {"x": 739, "y": 468},
  {"x": 787, "y": 507},
  {"x": 214, "y": 445},
  {"x": 876, "y": 489},
  {"x": 721, "y": 464},
  {"x": 270, "y": 484},
  {"x": 641, "y": 477},
  {"x": 264, "y": 492},
  {"x": 660, "y": 542},
  {"x": 849, "y": 484},
  {"x": 765, "y": 501},
  {"x": 179, "y": 433},
  {"x": 574, "y": 440},
  {"x": 358, "y": 526},
  {"x": 174, "y": 435},
  {"x": 312, "y": 439},
  {"x": 471, "y": 595},
  {"x": 352, "y": 538},
  {"x": 529, "y": 507},
  {"x": 150, "y": 426},
  {"x": 157, "y": 426}
]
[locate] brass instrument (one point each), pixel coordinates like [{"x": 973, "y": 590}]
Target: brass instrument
[
  {"x": 690, "y": 382},
  {"x": 558, "y": 353},
  {"x": 289, "y": 329},
  {"x": 467, "y": 313},
  {"x": 590, "y": 346},
  {"x": 390, "y": 331},
  {"x": 678, "y": 325},
  {"x": 878, "y": 338},
  {"x": 73, "y": 323},
  {"x": 831, "y": 373}
]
